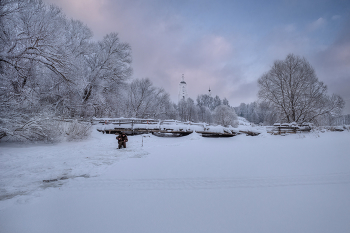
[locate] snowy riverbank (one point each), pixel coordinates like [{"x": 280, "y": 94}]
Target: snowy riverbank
[{"x": 295, "y": 183}]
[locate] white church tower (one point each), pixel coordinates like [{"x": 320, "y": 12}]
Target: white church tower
[{"x": 183, "y": 90}]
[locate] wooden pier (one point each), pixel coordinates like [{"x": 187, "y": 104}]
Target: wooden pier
[
  {"x": 165, "y": 133},
  {"x": 289, "y": 128},
  {"x": 156, "y": 132},
  {"x": 215, "y": 134}
]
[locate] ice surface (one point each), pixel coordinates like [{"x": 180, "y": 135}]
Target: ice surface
[{"x": 267, "y": 183}]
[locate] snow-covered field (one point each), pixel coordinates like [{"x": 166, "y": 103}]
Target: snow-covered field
[{"x": 294, "y": 183}]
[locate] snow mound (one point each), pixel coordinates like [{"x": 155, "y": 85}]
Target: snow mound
[{"x": 195, "y": 136}]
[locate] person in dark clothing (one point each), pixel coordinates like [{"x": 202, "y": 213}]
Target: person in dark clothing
[{"x": 122, "y": 139}]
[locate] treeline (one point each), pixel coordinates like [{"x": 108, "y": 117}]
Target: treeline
[
  {"x": 291, "y": 92},
  {"x": 258, "y": 113},
  {"x": 263, "y": 113},
  {"x": 50, "y": 66},
  {"x": 206, "y": 109}
]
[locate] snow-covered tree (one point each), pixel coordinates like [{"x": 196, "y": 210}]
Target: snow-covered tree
[
  {"x": 225, "y": 102},
  {"x": 293, "y": 89},
  {"x": 225, "y": 116},
  {"x": 188, "y": 111},
  {"x": 204, "y": 114},
  {"x": 145, "y": 100},
  {"x": 258, "y": 112},
  {"x": 108, "y": 63},
  {"x": 49, "y": 66},
  {"x": 208, "y": 101}
]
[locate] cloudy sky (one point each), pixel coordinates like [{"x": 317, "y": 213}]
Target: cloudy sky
[{"x": 224, "y": 44}]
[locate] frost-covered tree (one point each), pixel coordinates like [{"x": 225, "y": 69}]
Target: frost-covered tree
[
  {"x": 216, "y": 102},
  {"x": 204, "y": 100},
  {"x": 225, "y": 116},
  {"x": 208, "y": 101},
  {"x": 225, "y": 102},
  {"x": 32, "y": 54},
  {"x": 242, "y": 110},
  {"x": 170, "y": 111},
  {"x": 192, "y": 111},
  {"x": 266, "y": 114},
  {"x": 188, "y": 111},
  {"x": 206, "y": 106},
  {"x": 258, "y": 112},
  {"x": 144, "y": 100},
  {"x": 293, "y": 89},
  {"x": 49, "y": 66},
  {"x": 204, "y": 114},
  {"x": 108, "y": 63},
  {"x": 33, "y": 41}
]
